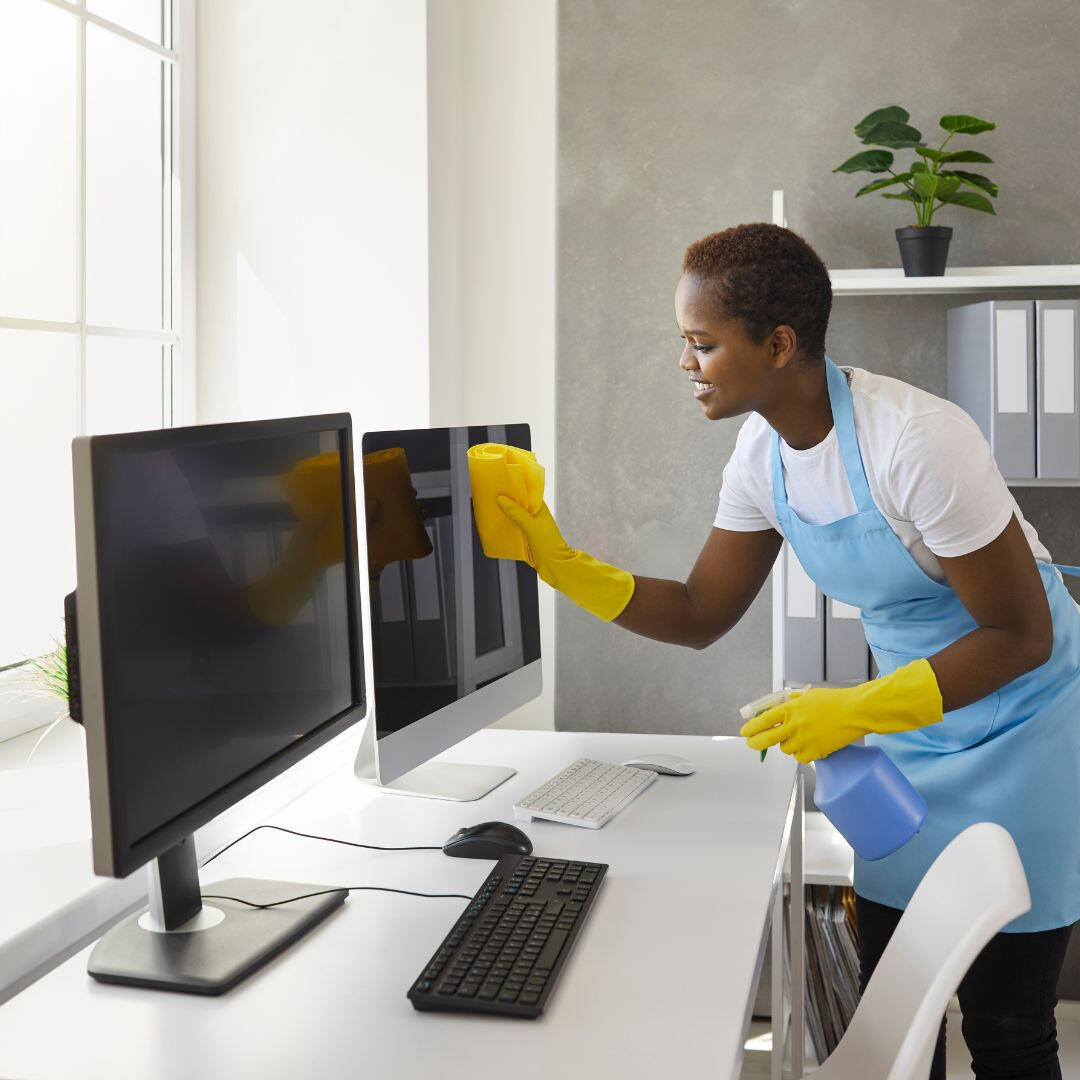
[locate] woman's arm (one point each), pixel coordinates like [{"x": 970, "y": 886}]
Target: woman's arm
[
  {"x": 1001, "y": 587},
  {"x": 728, "y": 574}
]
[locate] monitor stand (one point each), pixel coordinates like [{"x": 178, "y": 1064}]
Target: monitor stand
[
  {"x": 449, "y": 780},
  {"x": 179, "y": 943},
  {"x": 446, "y": 780}
]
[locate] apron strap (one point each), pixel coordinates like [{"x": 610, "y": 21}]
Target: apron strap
[
  {"x": 1072, "y": 571},
  {"x": 844, "y": 421},
  {"x": 779, "y": 488}
]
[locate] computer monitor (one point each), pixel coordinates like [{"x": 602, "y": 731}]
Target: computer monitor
[
  {"x": 216, "y": 642},
  {"x": 455, "y": 635}
]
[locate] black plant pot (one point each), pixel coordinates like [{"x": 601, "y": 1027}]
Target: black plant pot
[{"x": 924, "y": 249}]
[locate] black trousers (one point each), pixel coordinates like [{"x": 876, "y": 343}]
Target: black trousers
[{"x": 1007, "y": 997}]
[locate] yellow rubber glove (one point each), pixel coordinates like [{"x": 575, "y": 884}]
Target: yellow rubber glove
[
  {"x": 598, "y": 587},
  {"x": 816, "y": 722}
]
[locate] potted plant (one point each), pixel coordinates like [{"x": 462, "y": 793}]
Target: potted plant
[{"x": 923, "y": 247}]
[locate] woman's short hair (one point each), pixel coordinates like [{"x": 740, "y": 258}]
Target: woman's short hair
[{"x": 766, "y": 276}]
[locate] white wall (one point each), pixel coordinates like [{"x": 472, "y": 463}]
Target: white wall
[
  {"x": 492, "y": 233},
  {"x": 312, "y": 210}
]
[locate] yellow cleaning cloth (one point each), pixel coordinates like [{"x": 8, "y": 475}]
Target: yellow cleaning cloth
[
  {"x": 395, "y": 524},
  {"x": 494, "y": 470},
  {"x": 313, "y": 487}
]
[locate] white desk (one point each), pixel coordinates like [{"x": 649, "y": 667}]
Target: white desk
[{"x": 662, "y": 977}]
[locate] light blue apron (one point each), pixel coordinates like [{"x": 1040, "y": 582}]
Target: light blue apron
[{"x": 1012, "y": 758}]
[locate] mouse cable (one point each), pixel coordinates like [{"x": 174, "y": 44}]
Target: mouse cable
[
  {"x": 348, "y": 888},
  {"x": 312, "y": 836}
]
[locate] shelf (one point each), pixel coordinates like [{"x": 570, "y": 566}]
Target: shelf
[
  {"x": 892, "y": 282},
  {"x": 1033, "y": 482},
  {"x": 827, "y": 856}
]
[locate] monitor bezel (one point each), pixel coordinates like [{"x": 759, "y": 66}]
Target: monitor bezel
[{"x": 115, "y": 855}]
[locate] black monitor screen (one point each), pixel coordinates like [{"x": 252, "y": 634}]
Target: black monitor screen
[
  {"x": 446, "y": 620},
  {"x": 226, "y": 608}
]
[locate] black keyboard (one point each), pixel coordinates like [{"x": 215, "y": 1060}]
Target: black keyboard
[{"x": 507, "y": 949}]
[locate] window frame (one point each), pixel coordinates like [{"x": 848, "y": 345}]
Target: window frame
[{"x": 178, "y": 54}]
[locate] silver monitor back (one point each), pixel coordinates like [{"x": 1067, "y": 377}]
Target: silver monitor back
[{"x": 454, "y": 636}]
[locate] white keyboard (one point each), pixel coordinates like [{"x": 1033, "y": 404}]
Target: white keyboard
[{"x": 585, "y": 793}]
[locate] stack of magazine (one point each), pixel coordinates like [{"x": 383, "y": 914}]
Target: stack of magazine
[{"x": 832, "y": 964}]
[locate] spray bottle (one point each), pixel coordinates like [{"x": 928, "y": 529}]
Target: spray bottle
[{"x": 859, "y": 789}]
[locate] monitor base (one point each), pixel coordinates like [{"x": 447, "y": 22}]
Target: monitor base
[
  {"x": 447, "y": 780},
  {"x": 202, "y": 956}
]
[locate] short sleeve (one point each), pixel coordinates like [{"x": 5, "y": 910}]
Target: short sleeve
[
  {"x": 740, "y": 509},
  {"x": 948, "y": 485}
]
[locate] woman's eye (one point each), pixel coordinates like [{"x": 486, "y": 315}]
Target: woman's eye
[{"x": 704, "y": 348}]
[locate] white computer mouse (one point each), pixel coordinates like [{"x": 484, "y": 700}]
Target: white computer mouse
[{"x": 665, "y": 764}]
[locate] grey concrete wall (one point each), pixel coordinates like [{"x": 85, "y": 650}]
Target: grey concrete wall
[{"x": 677, "y": 119}]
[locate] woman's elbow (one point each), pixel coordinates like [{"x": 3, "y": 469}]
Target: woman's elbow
[
  {"x": 1043, "y": 645},
  {"x": 1039, "y": 643}
]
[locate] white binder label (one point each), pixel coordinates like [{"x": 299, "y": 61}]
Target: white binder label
[
  {"x": 801, "y": 592},
  {"x": 840, "y": 610},
  {"x": 1058, "y": 354},
  {"x": 1012, "y": 360}
]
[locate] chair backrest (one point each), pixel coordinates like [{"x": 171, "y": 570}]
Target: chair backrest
[{"x": 972, "y": 889}]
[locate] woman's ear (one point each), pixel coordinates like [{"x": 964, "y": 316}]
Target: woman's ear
[{"x": 785, "y": 346}]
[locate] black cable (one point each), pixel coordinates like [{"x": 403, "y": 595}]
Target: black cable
[
  {"x": 323, "y": 892},
  {"x": 312, "y": 836},
  {"x": 348, "y": 888}
]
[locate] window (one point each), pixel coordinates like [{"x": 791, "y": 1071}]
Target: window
[{"x": 93, "y": 328}]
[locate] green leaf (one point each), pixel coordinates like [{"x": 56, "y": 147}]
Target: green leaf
[
  {"x": 891, "y": 133},
  {"x": 868, "y": 161},
  {"x": 925, "y": 184},
  {"x": 962, "y": 124},
  {"x": 918, "y": 166},
  {"x": 966, "y": 155},
  {"x": 930, "y": 154},
  {"x": 971, "y": 201},
  {"x": 874, "y": 185},
  {"x": 907, "y": 196},
  {"x": 890, "y": 112},
  {"x": 946, "y": 185},
  {"x": 973, "y": 180}
]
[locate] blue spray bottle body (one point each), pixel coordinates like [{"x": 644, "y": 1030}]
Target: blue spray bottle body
[
  {"x": 869, "y": 800},
  {"x": 861, "y": 791}
]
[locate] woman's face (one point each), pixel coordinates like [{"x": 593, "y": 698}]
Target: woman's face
[{"x": 729, "y": 374}]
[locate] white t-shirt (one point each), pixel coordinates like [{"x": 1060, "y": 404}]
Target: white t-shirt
[{"x": 931, "y": 473}]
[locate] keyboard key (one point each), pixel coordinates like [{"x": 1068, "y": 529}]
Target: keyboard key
[{"x": 552, "y": 949}]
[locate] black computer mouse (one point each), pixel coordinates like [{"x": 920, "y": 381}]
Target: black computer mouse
[{"x": 489, "y": 840}]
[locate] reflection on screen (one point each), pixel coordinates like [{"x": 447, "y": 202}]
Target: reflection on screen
[
  {"x": 446, "y": 620},
  {"x": 224, "y": 608}
]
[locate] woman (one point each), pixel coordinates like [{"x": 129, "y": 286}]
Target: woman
[{"x": 891, "y": 500}]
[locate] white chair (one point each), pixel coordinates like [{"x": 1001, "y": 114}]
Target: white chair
[{"x": 972, "y": 889}]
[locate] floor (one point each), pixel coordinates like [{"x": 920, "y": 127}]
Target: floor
[{"x": 756, "y": 1061}]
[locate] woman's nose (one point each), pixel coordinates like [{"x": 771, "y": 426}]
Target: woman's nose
[{"x": 688, "y": 361}]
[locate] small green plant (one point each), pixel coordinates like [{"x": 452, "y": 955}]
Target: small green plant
[
  {"x": 929, "y": 186},
  {"x": 52, "y": 670}
]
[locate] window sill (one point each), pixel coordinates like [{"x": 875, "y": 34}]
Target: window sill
[{"x": 24, "y": 706}]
